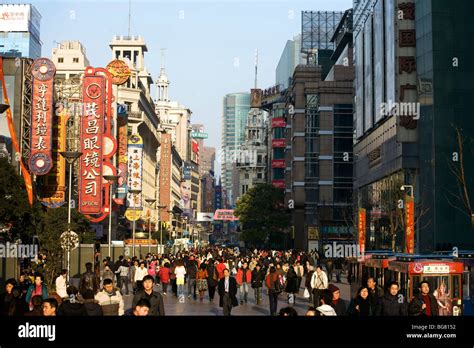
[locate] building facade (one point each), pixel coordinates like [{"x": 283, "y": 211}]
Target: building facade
[
  {"x": 20, "y": 31},
  {"x": 290, "y": 58},
  {"x": 234, "y": 117},
  {"x": 319, "y": 157}
]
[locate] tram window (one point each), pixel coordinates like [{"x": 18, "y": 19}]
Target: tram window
[{"x": 456, "y": 290}]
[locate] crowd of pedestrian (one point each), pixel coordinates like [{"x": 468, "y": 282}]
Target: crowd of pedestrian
[{"x": 196, "y": 272}]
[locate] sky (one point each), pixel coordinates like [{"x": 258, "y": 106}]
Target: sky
[{"x": 210, "y": 45}]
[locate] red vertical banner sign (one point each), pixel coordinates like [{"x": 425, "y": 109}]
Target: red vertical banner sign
[
  {"x": 41, "y": 155},
  {"x": 409, "y": 225},
  {"x": 91, "y": 139},
  {"x": 362, "y": 227},
  {"x": 165, "y": 175}
]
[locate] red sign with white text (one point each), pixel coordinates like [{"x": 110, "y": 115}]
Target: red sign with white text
[
  {"x": 278, "y": 163},
  {"x": 278, "y": 143},
  {"x": 410, "y": 225},
  {"x": 362, "y": 227},
  {"x": 92, "y": 129},
  {"x": 41, "y": 156},
  {"x": 278, "y": 183},
  {"x": 278, "y": 122}
]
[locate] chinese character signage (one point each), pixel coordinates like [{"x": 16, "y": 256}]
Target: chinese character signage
[
  {"x": 54, "y": 184},
  {"x": 165, "y": 175},
  {"x": 119, "y": 70},
  {"x": 122, "y": 156},
  {"x": 409, "y": 225},
  {"x": 362, "y": 227},
  {"x": 135, "y": 171},
  {"x": 91, "y": 141},
  {"x": 41, "y": 156},
  {"x": 278, "y": 122}
]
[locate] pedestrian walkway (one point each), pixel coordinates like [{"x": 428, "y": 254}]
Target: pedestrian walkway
[{"x": 197, "y": 308}]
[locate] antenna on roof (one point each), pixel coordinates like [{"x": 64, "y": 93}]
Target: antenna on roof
[
  {"x": 256, "y": 66},
  {"x": 129, "y": 15}
]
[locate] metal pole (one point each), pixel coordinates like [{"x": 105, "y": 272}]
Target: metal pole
[
  {"x": 161, "y": 237},
  {"x": 69, "y": 223},
  {"x": 110, "y": 218},
  {"x": 149, "y": 234},
  {"x": 133, "y": 237}
]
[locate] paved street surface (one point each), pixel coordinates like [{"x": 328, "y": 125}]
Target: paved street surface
[{"x": 195, "y": 307}]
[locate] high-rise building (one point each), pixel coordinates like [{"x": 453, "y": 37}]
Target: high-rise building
[
  {"x": 289, "y": 60},
  {"x": 234, "y": 117},
  {"x": 208, "y": 157},
  {"x": 319, "y": 147},
  {"x": 252, "y": 162},
  {"x": 411, "y": 97},
  {"x": 20, "y": 31}
]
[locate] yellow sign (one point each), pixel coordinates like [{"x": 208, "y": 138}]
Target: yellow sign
[
  {"x": 133, "y": 214},
  {"x": 119, "y": 70},
  {"x": 313, "y": 233}
]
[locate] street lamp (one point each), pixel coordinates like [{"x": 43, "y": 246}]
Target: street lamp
[
  {"x": 134, "y": 193},
  {"x": 402, "y": 188},
  {"x": 112, "y": 179},
  {"x": 3, "y": 108},
  {"x": 70, "y": 157},
  {"x": 150, "y": 201}
]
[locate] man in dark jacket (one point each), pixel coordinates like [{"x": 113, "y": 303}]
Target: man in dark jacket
[
  {"x": 116, "y": 270},
  {"x": 71, "y": 306},
  {"x": 93, "y": 308},
  {"x": 191, "y": 272},
  {"x": 375, "y": 293},
  {"x": 212, "y": 279},
  {"x": 155, "y": 298},
  {"x": 424, "y": 303},
  {"x": 6, "y": 299},
  {"x": 337, "y": 302},
  {"x": 392, "y": 303},
  {"x": 227, "y": 289},
  {"x": 89, "y": 280},
  {"x": 258, "y": 276}
]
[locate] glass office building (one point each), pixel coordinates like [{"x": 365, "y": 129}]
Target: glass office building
[
  {"x": 20, "y": 31},
  {"x": 444, "y": 55},
  {"x": 236, "y": 107}
]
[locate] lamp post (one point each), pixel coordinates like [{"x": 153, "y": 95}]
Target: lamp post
[
  {"x": 161, "y": 227},
  {"x": 70, "y": 157},
  {"x": 112, "y": 179},
  {"x": 150, "y": 201},
  {"x": 134, "y": 193}
]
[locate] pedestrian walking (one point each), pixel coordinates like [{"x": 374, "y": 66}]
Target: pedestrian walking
[
  {"x": 424, "y": 303},
  {"x": 91, "y": 305},
  {"x": 360, "y": 306},
  {"x": 243, "y": 278},
  {"x": 140, "y": 273},
  {"x": 299, "y": 270},
  {"x": 71, "y": 305},
  {"x": 157, "y": 307},
  {"x": 258, "y": 277},
  {"x": 180, "y": 273},
  {"x": 212, "y": 279},
  {"x": 272, "y": 283},
  {"x": 61, "y": 285},
  {"x": 201, "y": 281},
  {"x": 38, "y": 288},
  {"x": 191, "y": 272},
  {"x": 337, "y": 302},
  {"x": 164, "y": 275},
  {"x": 392, "y": 303},
  {"x": 227, "y": 289},
  {"x": 325, "y": 309},
  {"x": 319, "y": 282},
  {"x": 124, "y": 274},
  {"x": 110, "y": 299},
  {"x": 375, "y": 294}
]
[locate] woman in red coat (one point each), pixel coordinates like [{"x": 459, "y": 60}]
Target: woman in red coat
[{"x": 164, "y": 275}]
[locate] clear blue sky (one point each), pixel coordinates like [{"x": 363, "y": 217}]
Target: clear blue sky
[{"x": 202, "y": 39}]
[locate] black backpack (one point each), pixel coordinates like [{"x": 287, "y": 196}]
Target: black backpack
[{"x": 278, "y": 284}]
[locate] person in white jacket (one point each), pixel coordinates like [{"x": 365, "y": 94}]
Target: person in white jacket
[
  {"x": 110, "y": 299},
  {"x": 140, "y": 272},
  {"x": 319, "y": 282},
  {"x": 325, "y": 309},
  {"x": 61, "y": 284}
]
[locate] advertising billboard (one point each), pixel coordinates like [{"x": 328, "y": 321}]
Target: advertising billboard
[
  {"x": 41, "y": 155},
  {"x": 14, "y": 17},
  {"x": 91, "y": 140}
]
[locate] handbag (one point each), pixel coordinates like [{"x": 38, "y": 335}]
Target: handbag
[{"x": 306, "y": 293}]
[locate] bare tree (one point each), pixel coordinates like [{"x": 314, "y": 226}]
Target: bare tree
[{"x": 457, "y": 167}]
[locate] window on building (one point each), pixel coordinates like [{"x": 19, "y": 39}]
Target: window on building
[
  {"x": 259, "y": 159},
  {"x": 246, "y": 175},
  {"x": 278, "y": 153},
  {"x": 60, "y": 60},
  {"x": 75, "y": 60},
  {"x": 259, "y": 175},
  {"x": 117, "y": 54}
]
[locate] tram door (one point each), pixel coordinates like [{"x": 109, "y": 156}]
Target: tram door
[
  {"x": 445, "y": 288},
  {"x": 468, "y": 291}
]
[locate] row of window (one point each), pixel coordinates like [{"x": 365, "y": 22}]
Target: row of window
[{"x": 74, "y": 60}]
